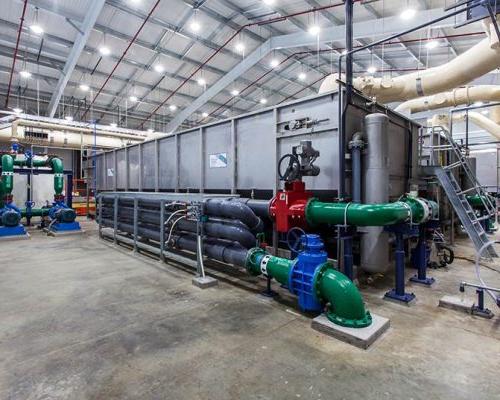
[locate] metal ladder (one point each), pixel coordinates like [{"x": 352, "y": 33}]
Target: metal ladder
[{"x": 457, "y": 196}]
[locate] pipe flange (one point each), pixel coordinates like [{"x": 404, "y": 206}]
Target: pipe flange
[
  {"x": 425, "y": 207},
  {"x": 356, "y": 144},
  {"x": 252, "y": 258},
  {"x": 318, "y": 274},
  {"x": 263, "y": 264},
  {"x": 349, "y": 323}
]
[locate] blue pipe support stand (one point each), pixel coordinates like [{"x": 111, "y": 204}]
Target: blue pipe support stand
[
  {"x": 12, "y": 231},
  {"x": 301, "y": 277},
  {"x": 402, "y": 231},
  {"x": 420, "y": 255},
  {"x": 65, "y": 226}
]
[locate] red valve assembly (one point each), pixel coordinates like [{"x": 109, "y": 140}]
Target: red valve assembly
[{"x": 287, "y": 208}]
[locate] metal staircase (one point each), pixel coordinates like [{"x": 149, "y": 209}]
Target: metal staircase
[{"x": 458, "y": 197}]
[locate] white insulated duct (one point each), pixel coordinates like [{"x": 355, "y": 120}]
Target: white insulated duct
[
  {"x": 454, "y": 98},
  {"x": 65, "y": 135},
  {"x": 480, "y": 59},
  {"x": 481, "y": 121}
]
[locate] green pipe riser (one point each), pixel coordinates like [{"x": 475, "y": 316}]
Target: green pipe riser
[
  {"x": 345, "y": 304},
  {"x": 58, "y": 169},
  {"x": 357, "y": 214},
  {"x": 7, "y": 183}
]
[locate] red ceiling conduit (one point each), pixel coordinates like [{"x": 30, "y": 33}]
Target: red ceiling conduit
[
  {"x": 218, "y": 50},
  {"x": 15, "y": 53},
  {"x": 121, "y": 57}
]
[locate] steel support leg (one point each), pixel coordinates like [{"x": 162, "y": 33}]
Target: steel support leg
[{"x": 398, "y": 293}]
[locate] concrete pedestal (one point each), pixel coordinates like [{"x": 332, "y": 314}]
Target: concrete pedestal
[
  {"x": 359, "y": 337},
  {"x": 204, "y": 282}
]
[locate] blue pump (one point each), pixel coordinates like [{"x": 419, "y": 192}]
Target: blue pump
[{"x": 300, "y": 280}]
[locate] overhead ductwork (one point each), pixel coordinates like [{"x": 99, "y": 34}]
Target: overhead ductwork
[
  {"x": 481, "y": 121},
  {"x": 454, "y": 98},
  {"x": 65, "y": 134},
  {"x": 480, "y": 59}
]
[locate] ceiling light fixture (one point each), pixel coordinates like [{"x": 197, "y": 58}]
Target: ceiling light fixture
[
  {"x": 84, "y": 87},
  {"x": 274, "y": 63},
  {"x": 172, "y": 107},
  {"x": 202, "y": 82},
  {"x": 105, "y": 51},
  {"x": 204, "y": 115},
  {"x": 36, "y": 29},
  {"x": 407, "y": 14},
  {"x": 239, "y": 47},
  {"x": 25, "y": 74},
  {"x": 17, "y": 110},
  {"x": 263, "y": 100},
  {"x": 432, "y": 44},
  {"x": 314, "y": 30},
  {"x": 372, "y": 69},
  {"x": 268, "y": 2},
  {"x": 478, "y": 104},
  {"x": 234, "y": 92},
  {"x": 133, "y": 99},
  {"x": 195, "y": 26},
  {"x": 113, "y": 125},
  {"x": 151, "y": 130},
  {"x": 302, "y": 76},
  {"x": 68, "y": 118},
  {"x": 159, "y": 68}
]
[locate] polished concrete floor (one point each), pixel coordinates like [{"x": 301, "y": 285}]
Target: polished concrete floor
[{"x": 82, "y": 320}]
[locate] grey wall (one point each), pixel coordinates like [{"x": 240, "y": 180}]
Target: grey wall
[{"x": 251, "y": 144}]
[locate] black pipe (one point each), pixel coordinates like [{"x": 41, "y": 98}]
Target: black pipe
[
  {"x": 230, "y": 253},
  {"x": 231, "y": 230},
  {"x": 259, "y": 207},
  {"x": 236, "y": 210}
]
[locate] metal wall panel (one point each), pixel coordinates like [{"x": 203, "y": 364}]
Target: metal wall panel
[
  {"x": 167, "y": 162},
  {"x": 121, "y": 170},
  {"x": 109, "y": 170},
  {"x": 134, "y": 167},
  {"x": 255, "y": 149},
  {"x": 189, "y": 161},
  {"x": 487, "y": 167},
  {"x": 148, "y": 165},
  {"x": 217, "y": 148}
]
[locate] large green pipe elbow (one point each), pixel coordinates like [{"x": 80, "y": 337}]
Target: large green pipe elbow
[
  {"x": 58, "y": 169},
  {"x": 345, "y": 304},
  {"x": 478, "y": 201},
  {"x": 7, "y": 174}
]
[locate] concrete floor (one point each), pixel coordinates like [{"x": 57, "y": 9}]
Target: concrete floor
[{"x": 81, "y": 320}]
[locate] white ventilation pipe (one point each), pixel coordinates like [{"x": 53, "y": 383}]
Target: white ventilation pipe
[
  {"x": 495, "y": 114},
  {"x": 481, "y": 121},
  {"x": 71, "y": 137},
  {"x": 480, "y": 59},
  {"x": 454, "y": 98}
]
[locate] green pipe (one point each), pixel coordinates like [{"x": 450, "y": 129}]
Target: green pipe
[
  {"x": 58, "y": 169},
  {"x": 7, "y": 183},
  {"x": 332, "y": 288},
  {"x": 35, "y": 212},
  {"x": 345, "y": 304},
  {"x": 478, "y": 201},
  {"x": 357, "y": 214}
]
